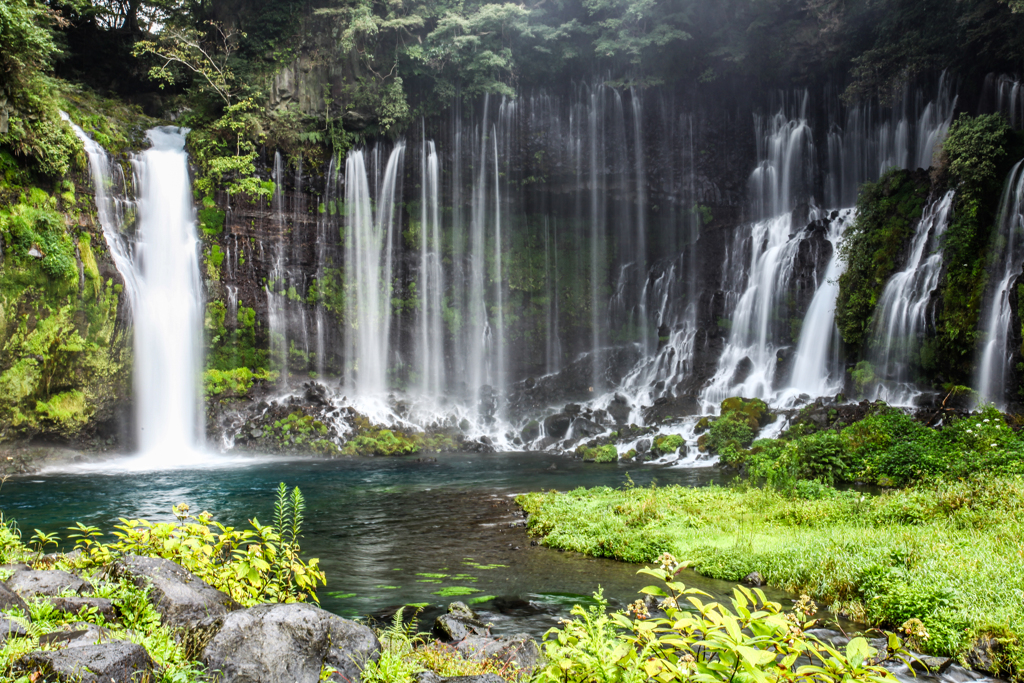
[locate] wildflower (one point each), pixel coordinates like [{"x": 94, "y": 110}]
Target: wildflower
[
  {"x": 669, "y": 603},
  {"x": 668, "y": 561},
  {"x": 639, "y": 608},
  {"x": 986, "y": 421}
]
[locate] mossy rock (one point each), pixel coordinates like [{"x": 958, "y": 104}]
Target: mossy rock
[
  {"x": 703, "y": 424},
  {"x": 702, "y": 443},
  {"x": 668, "y": 443},
  {"x": 601, "y": 454},
  {"x": 754, "y": 411}
]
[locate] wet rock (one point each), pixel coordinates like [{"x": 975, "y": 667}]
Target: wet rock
[
  {"x": 114, "y": 662},
  {"x": 316, "y": 394},
  {"x": 75, "y": 605},
  {"x": 531, "y": 431},
  {"x": 742, "y": 372},
  {"x": 572, "y": 409},
  {"x": 642, "y": 446},
  {"x": 271, "y": 643},
  {"x": 180, "y": 596},
  {"x": 519, "y": 649},
  {"x": 581, "y": 426},
  {"x": 928, "y": 664},
  {"x": 984, "y": 654},
  {"x": 556, "y": 426},
  {"x": 461, "y": 621},
  {"x": 753, "y": 579},
  {"x": 51, "y": 582},
  {"x": 619, "y": 409},
  {"x": 10, "y": 600}
]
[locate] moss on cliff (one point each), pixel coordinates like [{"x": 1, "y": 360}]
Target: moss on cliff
[{"x": 887, "y": 212}]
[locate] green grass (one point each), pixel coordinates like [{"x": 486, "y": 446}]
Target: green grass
[{"x": 946, "y": 553}]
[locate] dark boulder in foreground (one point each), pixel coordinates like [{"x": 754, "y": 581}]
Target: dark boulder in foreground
[
  {"x": 180, "y": 596},
  {"x": 74, "y": 606},
  {"x": 519, "y": 649},
  {"x": 114, "y": 662},
  {"x": 32, "y": 582},
  {"x": 292, "y": 642}
]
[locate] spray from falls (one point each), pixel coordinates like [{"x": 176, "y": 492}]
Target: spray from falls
[{"x": 996, "y": 354}]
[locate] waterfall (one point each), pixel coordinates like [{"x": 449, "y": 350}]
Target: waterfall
[
  {"x": 817, "y": 370},
  {"x": 168, "y": 321},
  {"x": 1008, "y": 262},
  {"x": 163, "y": 288},
  {"x": 904, "y": 309},
  {"x": 431, "y": 289},
  {"x": 370, "y": 226},
  {"x": 747, "y": 365},
  {"x": 874, "y": 139},
  {"x": 110, "y": 211},
  {"x": 277, "y": 283}
]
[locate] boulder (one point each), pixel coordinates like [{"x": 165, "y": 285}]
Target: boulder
[
  {"x": 556, "y": 426},
  {"x": 115, "y": 662},
  {"x": 77, "y": 635},
  {"x": 271, "y": 643},
  {"x": 642, "y": 446},
  {"x": 75, "y": 605},
  {"x": 519, "y": 649},
  {"x": 460, "y": 622},
  {"x": 984, "y": 654},
  {"x": 31, "y": 582},
  {"x": 11, "y": 600},
  {"x": 619, "y": 409},
  {"x": 180, "y": 596},
  {"x": 531, "y": 431},
  {"x": 930, "y": 665},
  {"x": 581, "y": 426},
  {"x": 753, "y": 579}
]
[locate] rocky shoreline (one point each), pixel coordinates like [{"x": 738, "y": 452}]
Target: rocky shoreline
[{"x": 266, "y": 643}]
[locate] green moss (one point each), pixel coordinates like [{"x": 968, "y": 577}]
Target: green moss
[
  {"x": 234, "y": 382},
  {"x": 93, "y": 281},
  {"x": 606, "y": 453},
  {"x": 668, "y": 443},
  {"x": 887, "y": 212},
  {"x": 978, "y": 153},
  {"x": 68, "y": 410},
  {"x": 211, "y": 218}
]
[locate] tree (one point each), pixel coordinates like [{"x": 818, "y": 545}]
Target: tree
[{"x": 206, "y": 55}]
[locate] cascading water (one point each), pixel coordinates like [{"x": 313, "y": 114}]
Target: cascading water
[
  {"x": 110, "y": 211},
  {"x": 747, "y": 366},
  {"x": 817, "y": 370},
  {"x": 169, "y": 316},
  {"x": 904, "y": 309},
  {"x": 994, "y": 363},
  {"x": 370, "y": 227},
  {"x": 162, "y": 282},
  {"x": 431, "y": 333}
]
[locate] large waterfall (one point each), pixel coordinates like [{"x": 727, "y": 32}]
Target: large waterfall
[
  {"x": 1007, "y": 263},
  {"x": 161, "y": 275}
]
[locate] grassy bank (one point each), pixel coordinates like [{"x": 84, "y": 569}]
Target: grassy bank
[{"x": 947, "y": 553}]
